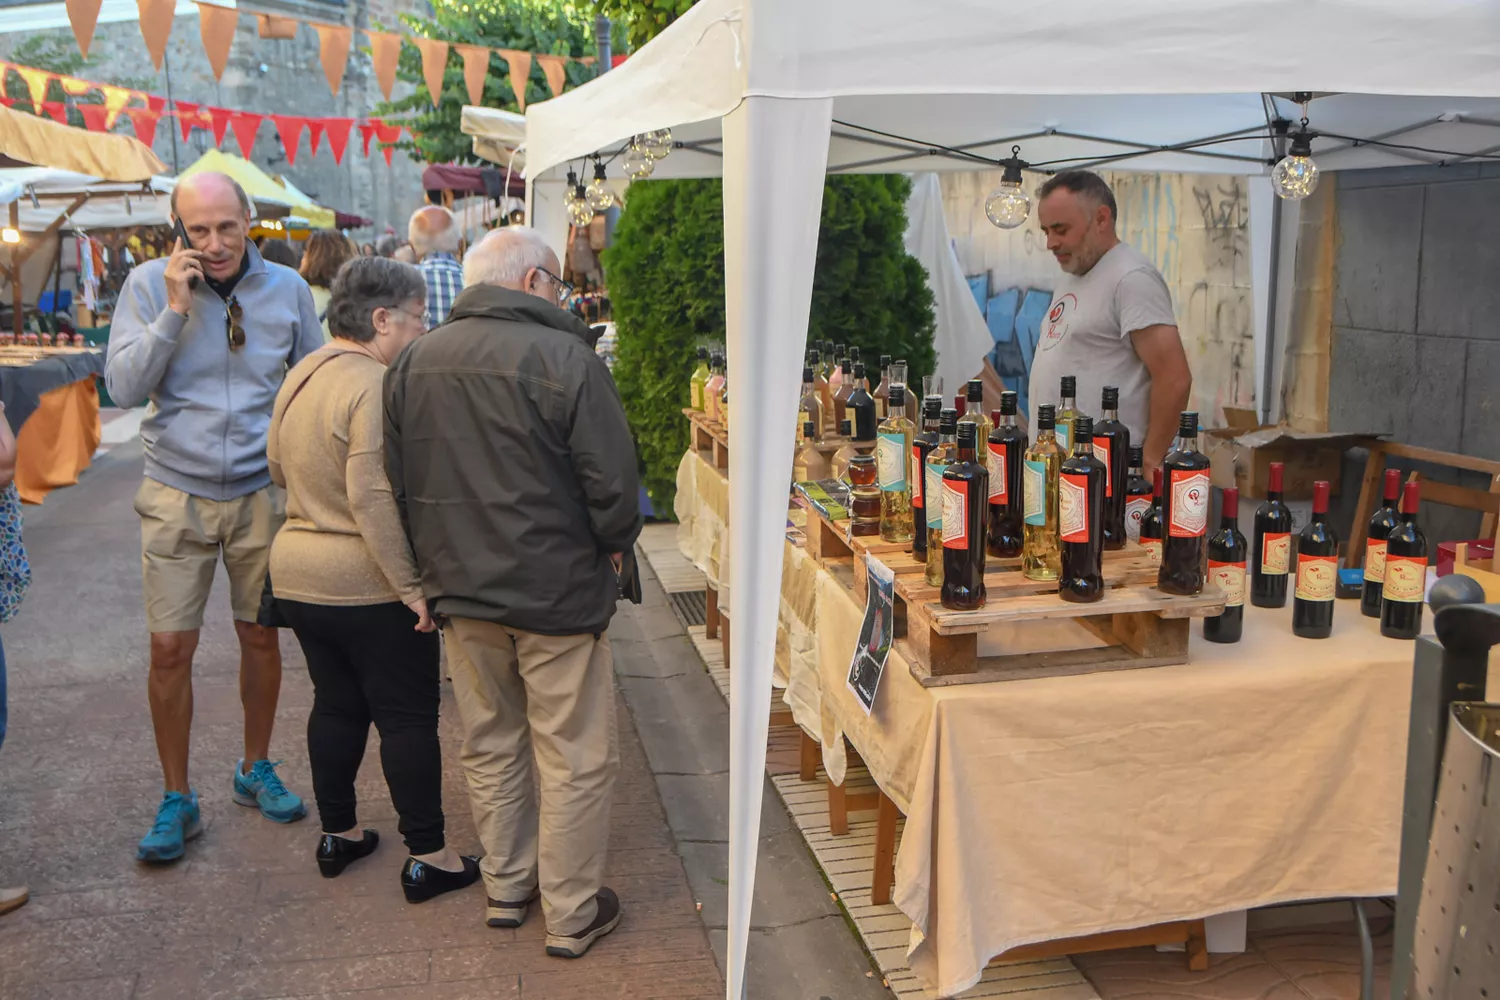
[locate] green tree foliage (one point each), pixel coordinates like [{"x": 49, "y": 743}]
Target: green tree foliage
[
  {"x": 666, "y": 280},
  {"x": 645, "y": 18}
]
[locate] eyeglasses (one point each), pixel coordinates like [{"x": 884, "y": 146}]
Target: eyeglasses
[
  {"x": 420, "y": 317},
  {"x": 232, "y": 324},
  {"x": 564, "y": 290}
]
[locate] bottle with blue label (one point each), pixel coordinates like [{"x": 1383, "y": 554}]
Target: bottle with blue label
[
  {"x": 892, "y": 446},
  {"x": 1041, "y": 559}
]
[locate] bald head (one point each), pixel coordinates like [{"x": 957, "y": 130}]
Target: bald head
[
  {"x": 514, "y": 257},
  {"x": 432, "y": 230},
  {"x": 215, "y": 212}
]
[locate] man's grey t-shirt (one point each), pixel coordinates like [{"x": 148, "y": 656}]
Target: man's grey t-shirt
[{"x": 1087, "y": 331}]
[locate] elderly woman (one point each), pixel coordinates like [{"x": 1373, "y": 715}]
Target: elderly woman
[
  {"x": 344, "y": 578},
  {"x": 325, "y": 253}
]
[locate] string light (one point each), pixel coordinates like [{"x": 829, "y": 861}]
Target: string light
[
  {"x": 572, "y": 193},
  {"x": 1295, "y": 175},
  {"x": 580, "y": 212},
  {"x": 600, "y": 197},
  {"x": 636, "y": 162},
  {"x": 656, "y": 143},
  {"x": 1008, "y": 205}
]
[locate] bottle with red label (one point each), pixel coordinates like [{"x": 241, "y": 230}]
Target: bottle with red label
[
  {"x": 1227, "y": 552},
  {"x": 1271, "y": 553},
  {"x": 1151, "y": 522},
  {"x": 1007, "y": 457},
  {"x": 966, "y": 487},
  {"x": 938, "y": 460},
  {"x": 1405, "y": 572},
  {"x": 1112, "y": 447},
  {"x": 1184, "y": 512},
  {"x": 1382, "y": 523},
  {"x": 1137, "y": 495},
  {"x": 1317, "y": 571},
  {"x": 922, "y": 444},
  {"x": 1080, "y": 518}
]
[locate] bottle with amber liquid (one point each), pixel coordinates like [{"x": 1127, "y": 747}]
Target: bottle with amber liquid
[
  {"x": 1080, "y": 516},
  {"x": 714, "y": 387},
  {"x": 972, "y": 411},
  {"x": 1151, "y": 523},
  {"x": 1184, "y": 512},
  {"x": 841, "y": 391},
  {"x": 922, "y": 444},
  {"x": 1382, "y": 523},
  {"x": 1040, "y": 558},
  {"x": 825, "y": 395},
  {"x": 809, "y": 409},
  {"x": 938, "y": 460},
  {"x": 1137, "y": 495},
  {"x": 1067, "y": 412},
  {"x": 859, "y": 408},
  {"x": 698, "y": 380},
  {"x": 1227, "y": 554},
  {"x": 1112, "y": 447},
  {"x": 1271, "y": 551},
  {"x": 1405, "y": 572},
  {"x": 1007, "y": 447},
  {"x": 882, "y": 393},
  {"x": 892, "y": 445},
  {"x": 1317, "y": 571},
  {"x": 811, "y": 464},
  {"x": 864, "y": 496},
  {"x": 966, "y": 490}
]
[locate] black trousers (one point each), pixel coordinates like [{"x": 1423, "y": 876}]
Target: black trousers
[{"x": 368, "y": 664}]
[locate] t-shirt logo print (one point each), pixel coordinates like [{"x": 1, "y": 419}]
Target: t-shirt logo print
[{"x": 1058, "y": 317}]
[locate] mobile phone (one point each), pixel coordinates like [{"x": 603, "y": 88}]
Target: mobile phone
[{"x": 187, "y": 244}]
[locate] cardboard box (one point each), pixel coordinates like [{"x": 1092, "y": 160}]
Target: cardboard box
[
  {"x": 1482, "y": 570},
  {"x": 1242, "y": 454}
]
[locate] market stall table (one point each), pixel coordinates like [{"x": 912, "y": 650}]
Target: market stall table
[{"x": 52, "y": 404}]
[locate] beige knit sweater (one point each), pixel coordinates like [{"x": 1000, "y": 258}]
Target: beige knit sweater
[{"x": 342, "y": 542}]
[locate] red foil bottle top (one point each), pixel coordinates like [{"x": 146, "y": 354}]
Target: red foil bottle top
[
  {"x": 1392, "y": 484},
  {"x": 1320, "y": 497},
  {"x": 995, "y": 417},
  {"x": 1231, "y": 506},
  {"x": 1273, "y": 482},
  {"x": 1156, "y": 481},
  {"x": 1411, "y": 497}
]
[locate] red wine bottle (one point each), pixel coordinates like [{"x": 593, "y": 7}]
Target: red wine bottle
[
  {"x": 1317, "y": 571},
  {"x": 966, "y": 489},
  {"x": 1227, "y": 554},
  {"x": 1381, "y": 524},
  {"x": 1080, "y": 518},
  {"x": 1184, "y": 512},
  {"x": 1405, "y": 572},
  {"x": 1007, "y": 448},
  {"x": 1271, "y": 555},
  {"x": 1151, "y": 522},
  {"x": 1112, "y": 447},
  {"x": 922, "y": 444},
  {"x": 1137, "y": 496}
]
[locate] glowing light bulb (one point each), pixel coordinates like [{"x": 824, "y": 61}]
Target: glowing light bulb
[
  {"x": 9, "y": 235},
  {"x": 600, "y": 197},
  {"x": 580, "y": 213},
  {"x": 657, "y": 143},
  {"x": 1295, "y": 175},
  {"x": 637, "y": 163},
  {"x": 1008, "y": 206}
]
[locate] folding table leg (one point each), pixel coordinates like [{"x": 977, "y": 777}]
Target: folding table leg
[
  {"x": 1197, "y": 946},
  {"x": 711, "y": 618},
  {"x": 810, "y": 755},
  {"x": 885, "y": 851}
]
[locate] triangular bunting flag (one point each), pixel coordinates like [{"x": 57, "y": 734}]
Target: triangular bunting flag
[
  {"x": 476, "y": 66},
  {"x": 387, "y": 134},
  {"x": 338, "y": 136},
  {"x": 58, "y": 110},
  {"x": 520, "y": 72},
  {"x": 115, "y": 99},
  {"x": 144, "y": 120},
  {"x": 187, "y": 117},
  {"x": 333, "y": 50},
  {"x": 555, "y": 69},
  {"x": 156, "y": 26},
  {"x": 93, "y": 116},
  {"x": 157, "y": 104},
  {"x": 36, "y": 83},
  {"x": 7, "y": 101},
  {"x": 388, "y": 151},
  {"x": 216, "y": 26},
  {"x": 314, "y": 134},
  {"x": 221, "y": 117},
  {"x": 271, "y": 26},
  {"x": 245, "y": 126},
  {"x": 385, "y": 53},
  {"x": 74, "y": 88},
  {"x": 367, "y": 132},
  {"x": 289, "y": 127},
  {"x": 434, "y": 62},
  {"x": 82, "y": 16}
]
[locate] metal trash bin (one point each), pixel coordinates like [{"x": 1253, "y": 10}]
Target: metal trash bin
[{"x": 1456, "y": 953}]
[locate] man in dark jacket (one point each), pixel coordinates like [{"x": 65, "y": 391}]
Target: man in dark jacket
[{"x": 515, "y": 472}]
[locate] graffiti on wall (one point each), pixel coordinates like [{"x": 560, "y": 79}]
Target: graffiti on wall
[{"x": 1015, "y": 319}]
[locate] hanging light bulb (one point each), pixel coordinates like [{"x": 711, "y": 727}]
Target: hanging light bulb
[
  {"x": 580, "y": 212},
  {"x": 636, "y": 162},
  {"x": 1008, "y": 205},
  {"x": 600, "y": 197},
  {"x": 1295, "y": 175},
  {"x": 657, "y": 143},
  {"x": 572, "y": 193}
]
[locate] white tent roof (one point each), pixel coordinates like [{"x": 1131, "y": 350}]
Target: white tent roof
[
  {"x": 111, "y": 205},
  {"x": 499, "y": 135}
]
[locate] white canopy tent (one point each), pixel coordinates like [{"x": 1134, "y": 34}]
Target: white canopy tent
[
  {"x": 44, "y": 195},
  {"x": 773, "y": 94}
]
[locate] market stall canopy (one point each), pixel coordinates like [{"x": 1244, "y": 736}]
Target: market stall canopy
[
  {"x": 273, "y": 198},
  {"x": 485, "y": 181},
  {"x": 105, "y": 204},
  {"x": 29, "y": 140},
  {"x": 499, "y": 136}
]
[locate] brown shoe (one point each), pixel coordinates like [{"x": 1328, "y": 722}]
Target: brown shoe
[
  {"x": 498, "y": 913},
  {"x": 13, "y": 899},
  {"x": 606, "y": 920}
]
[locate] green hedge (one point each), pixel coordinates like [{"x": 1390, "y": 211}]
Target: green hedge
[{"x": 665, "y": 274}]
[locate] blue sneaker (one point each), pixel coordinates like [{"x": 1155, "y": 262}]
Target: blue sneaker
[
  {"x": 177, "y": 821},
  {"x": 262, "y": 789}
]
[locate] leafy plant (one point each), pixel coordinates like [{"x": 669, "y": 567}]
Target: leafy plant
[{"x": 646, "y": 18}]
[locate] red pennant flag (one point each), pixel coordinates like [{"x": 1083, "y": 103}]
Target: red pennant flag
[
  {"x": 7, "y": 101},
  {"x": 57, "y": 109},
  {"x": 221, "y": 118},
  {"x": 187, "y": 117},
  {"x": 367, "y": 132},
  {"x": 338, "y": 136},
  {"x": 245, "y": 126},
  {"x": 157, "y": 104},
  {"x": 388, "y": 151},
  {"x": 314, "y": 134},
  {"x": 387, "y": 134},
  {"x": 144, "y": 120},
  {"x": 289, "y": 127},
  {"x": 93, "y": 117}
]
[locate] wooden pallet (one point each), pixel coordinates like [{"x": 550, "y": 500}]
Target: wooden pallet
[{"x": 711, "y": 438}]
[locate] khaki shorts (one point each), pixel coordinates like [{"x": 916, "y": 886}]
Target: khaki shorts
[{"x": 182, "y": 537}]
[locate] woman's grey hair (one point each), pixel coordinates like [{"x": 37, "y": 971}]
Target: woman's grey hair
[
  {"x": 365, "y": 284},
  {"x": 504, "y": 256}
]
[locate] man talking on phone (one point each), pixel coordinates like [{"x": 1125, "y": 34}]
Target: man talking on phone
[{"x": 206, "y": 335}]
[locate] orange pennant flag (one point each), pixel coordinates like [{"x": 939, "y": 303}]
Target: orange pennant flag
[
  {"x": 216, "y": 25},
  {"x": 333, "y": 50},
  {"x": 556, "y": 70},
  {"x": 36, "y": 81},
  {"x": 476, "y": 66},
  {"x": 385, "y": 52},
  {"x": 156, "y": 26},
  {"x": 434, "y": 62},
  {"x": 585, "y": 60},
  {"x": 271, "y": 26},
  {"x": 520, "y": 72},
  {"x": 115, "y": 99},
  {"x": 82, "y": 16}
]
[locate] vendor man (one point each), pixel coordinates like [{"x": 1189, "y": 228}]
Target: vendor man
[{"x": 1111, "y": 320}]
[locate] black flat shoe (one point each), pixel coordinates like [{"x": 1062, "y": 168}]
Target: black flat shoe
[
  {"x": 421, "y": 881},
  {"x": 336, "y": 853}
]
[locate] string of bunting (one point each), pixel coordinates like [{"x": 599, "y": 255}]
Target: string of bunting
[
  {"x": 217, "y": 27},
  {"x": 145, "y": 111}
]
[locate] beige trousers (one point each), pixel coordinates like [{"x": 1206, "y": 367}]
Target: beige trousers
[{"x": 546, "y": 699}]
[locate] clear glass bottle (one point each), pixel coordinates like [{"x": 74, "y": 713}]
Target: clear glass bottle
[
  {"x": 1041, "y": 558},
  {"x": 922, "y": 444},
  {"x": 714, "y": 387},
  {"x": 811, "y": 464},
  {"x": 938, "y": 460},
  {"x": 809, "y": 409},
  {"x": 973, "y": 411},
  {"x": 1067, "y": 412},
  {"x": 882, "y": 393},
  {"x": 893, "y": 444},
  {"x": 848, "y": 450},
  {"x": 697, "y": 381}
]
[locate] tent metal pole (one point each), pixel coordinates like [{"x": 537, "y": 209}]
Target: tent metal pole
[
  {"x": 17, "y": 296},
  {"x": 1272, "y": 291}
]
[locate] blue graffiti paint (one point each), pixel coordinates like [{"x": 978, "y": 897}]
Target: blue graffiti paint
[{"x": 1015, "y": 318}]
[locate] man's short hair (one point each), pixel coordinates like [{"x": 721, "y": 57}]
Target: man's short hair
[
  {"x": 504, "y": 256},
  {"x": 1085, "y": 183},
  {"x": 431, "y": 229},
  {"x": 239, "y": 193}
]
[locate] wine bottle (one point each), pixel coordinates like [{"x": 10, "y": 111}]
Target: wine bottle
[
  {"x": 922, "y": 444},
  {"x": 1080, "y": 517},
  {"x": 843, "y": 389},
  {"x": 1137, "y": 495},
  {"x": 1184, "y": 512},
  {"x": 860, "y": 407},
  {"x": 1112, "y": 447},
  {"x": 698, "y": 379},
  {"x": 1271, "y": 554},
  {"x": 882, "y": 391},
  {"x": 966, "y": 490},
  {"x": 938, "y": 460},
  {"x": 1381, "y": 524},
  {"x": 1067, "y": 412},
  {"x": 1040, "y": 558},
  {"x": 1151, "y": 523},
  {"x": 1405, "y": 572},
  {"x": 892, "y": 445},
  {"x": 973, "y": 410},
  {"x": 1007, "y": 446},
  {"x": 1227, "y": 555},
  {"x": 810, "y": 408},
  {"x": 1317, "y": 571}
]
